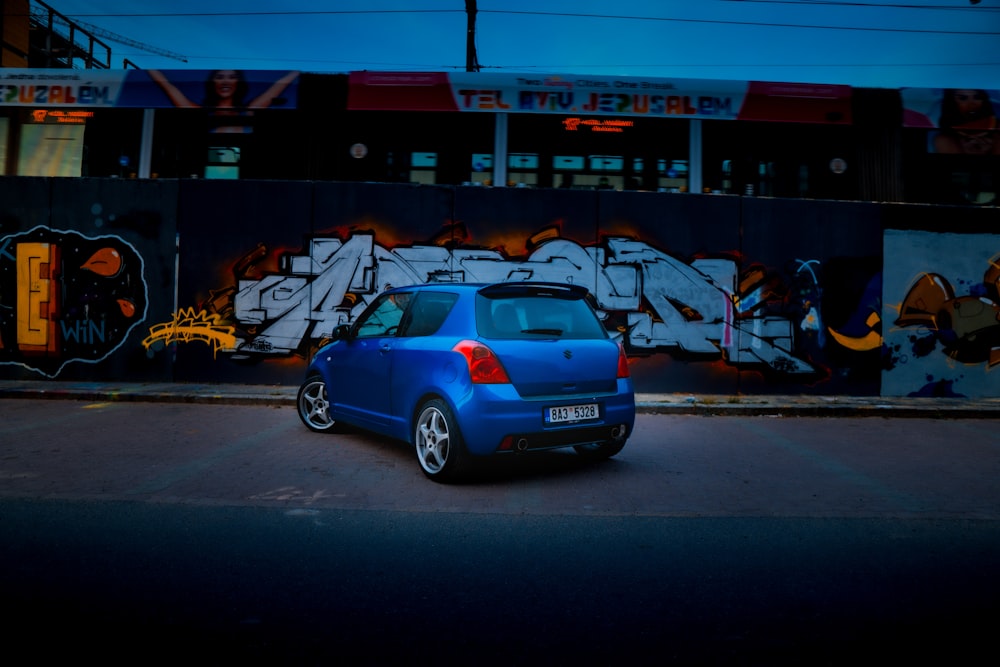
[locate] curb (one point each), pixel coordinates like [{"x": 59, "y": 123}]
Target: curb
[{"x": 709, "y": 406}]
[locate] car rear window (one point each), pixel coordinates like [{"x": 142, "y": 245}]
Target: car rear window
[{"x": 529, "y": 316}]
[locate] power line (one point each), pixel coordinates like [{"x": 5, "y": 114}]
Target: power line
[
  {"x": 644, "y": 65},
  {"x": 750, "y": 23},
  {"x": 622, "y": 17},
  {"x": 599, "y": 16},
  {"x": 872, "y": 5},
  {"x": 304, "y": 12}
]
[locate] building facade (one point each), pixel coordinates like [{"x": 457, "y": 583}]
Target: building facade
[{"x": 800, "y": 141}]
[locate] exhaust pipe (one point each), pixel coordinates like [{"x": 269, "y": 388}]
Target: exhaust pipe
[
  {"x": 522, "y": 445},
  {"x": 618, "y": 432}
]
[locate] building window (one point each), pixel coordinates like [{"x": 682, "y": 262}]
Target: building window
[
  {"x": 423, "y": 168},
  {"x": 223, "y": 162},
  {"x": 522, "y": 169},
  {"x": 482, "y": 169},
  {"x": 50, "y": 150}
]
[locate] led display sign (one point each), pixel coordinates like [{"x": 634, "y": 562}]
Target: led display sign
[
  {"x": 596, "y": 124},
  {"x": 59, "y": 117}
]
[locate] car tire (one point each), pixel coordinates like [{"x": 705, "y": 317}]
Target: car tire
[
  {"x": 313, "y": 405},
  {"x": 600, "y": 450},
  {"x": 438, "y": 443}
]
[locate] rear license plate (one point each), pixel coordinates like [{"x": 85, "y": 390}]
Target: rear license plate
[{"x": 571, "y": 413}]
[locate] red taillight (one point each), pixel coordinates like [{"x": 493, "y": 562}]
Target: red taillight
[
  {"x": 484, "y": 367},
  {"x": 622, "y": 362}
]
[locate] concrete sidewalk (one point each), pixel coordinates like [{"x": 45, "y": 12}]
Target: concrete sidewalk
[{"x": 694, "y": 404}]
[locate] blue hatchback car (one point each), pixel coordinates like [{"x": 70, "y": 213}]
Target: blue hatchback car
[{"x": 467, "y": 371}]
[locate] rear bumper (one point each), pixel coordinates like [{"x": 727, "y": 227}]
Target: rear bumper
[
  {"x": 584, "y": 435},
  {"x": 493, "y": 413}
]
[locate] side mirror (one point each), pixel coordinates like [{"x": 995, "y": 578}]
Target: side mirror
[{"x": 342, "y": 332}]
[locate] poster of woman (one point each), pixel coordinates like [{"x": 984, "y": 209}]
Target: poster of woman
[
  {"x": 965, "y": 119},
  {"x": 230, "y": 96}
]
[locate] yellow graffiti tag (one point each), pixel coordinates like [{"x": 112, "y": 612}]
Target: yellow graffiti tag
[
  {"x": 189, "y": 326},
  {"x": 37, "y": 296},
  {"x": 870, "y": 341}
]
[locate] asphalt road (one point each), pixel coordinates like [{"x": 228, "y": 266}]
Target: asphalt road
[{"x": 167, "y": 532}]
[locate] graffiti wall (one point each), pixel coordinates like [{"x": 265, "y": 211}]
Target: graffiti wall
[
  {"x": 236, "y": 281},
  {"x": 942, "y": 308}
]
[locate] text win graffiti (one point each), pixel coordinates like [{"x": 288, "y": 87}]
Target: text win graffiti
[{"x": 66, "y": 297}]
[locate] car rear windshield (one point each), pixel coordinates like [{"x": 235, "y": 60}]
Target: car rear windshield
[{"x": 526, "y": 316}]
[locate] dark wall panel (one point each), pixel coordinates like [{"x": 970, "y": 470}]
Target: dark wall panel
[
  {"x": 402, "y": 213},
  {"x": 509, "y": 233},
  {"x": 812, "y": 269},
  {"x": 232, "y": 235},
  {"x": 24, "y": 203}
]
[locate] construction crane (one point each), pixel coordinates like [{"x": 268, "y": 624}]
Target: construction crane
[
  {"x": 97, "y": 31},
  {"x": 44, "y": 14}
]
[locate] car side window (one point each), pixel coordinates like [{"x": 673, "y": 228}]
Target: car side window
[
  {"x": 428, "y": 313},
  {"x": 384, "y": 317}
]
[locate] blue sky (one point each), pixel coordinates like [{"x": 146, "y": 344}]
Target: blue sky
[{"x": 905, "y": 43}]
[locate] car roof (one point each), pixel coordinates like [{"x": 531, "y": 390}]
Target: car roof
[{"x": 495, "y": 290}]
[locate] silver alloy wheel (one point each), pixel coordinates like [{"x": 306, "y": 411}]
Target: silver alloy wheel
[
  {"x": 433, "y": 440},
  {"x": 314, "y": 405}
]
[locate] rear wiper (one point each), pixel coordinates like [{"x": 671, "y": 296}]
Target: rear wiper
[{"x": 546, "y": 332}]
